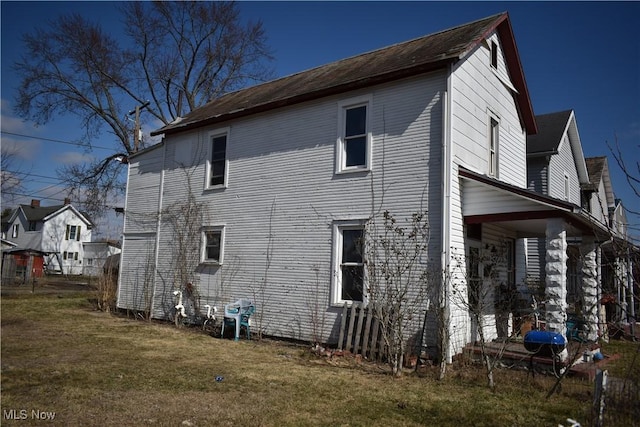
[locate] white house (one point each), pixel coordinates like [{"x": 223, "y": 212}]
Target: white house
[
  {"x": 289, "y": 173},
  {"x": 96, "y": 254},
  {"x": 556, "y": 166},
  {"x": 59, "y": 230}
]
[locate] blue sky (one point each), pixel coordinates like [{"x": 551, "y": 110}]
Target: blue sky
[{"x": 576, "y": 55}]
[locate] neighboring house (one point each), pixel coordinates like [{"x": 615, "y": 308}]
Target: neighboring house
[
  {"x": 289, "y": 172},
  {"x": 59, "y": 231},
  {"x": 96, "y": 254},
  {"x": 615, "y": 257},
  {"x": 556, "y": 167}
]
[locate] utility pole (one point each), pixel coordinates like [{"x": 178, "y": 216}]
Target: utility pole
[{"x": 136, "y": 132}]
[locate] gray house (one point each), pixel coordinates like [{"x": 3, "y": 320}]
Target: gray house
[{"x": 289, "y": 174}]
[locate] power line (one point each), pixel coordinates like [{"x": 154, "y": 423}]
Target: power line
[
  {"x": 77, "y": 144},
  {"x": 11, "y": 193}
]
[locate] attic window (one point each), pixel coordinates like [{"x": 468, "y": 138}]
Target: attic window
[{"x": 494, "y": 54}]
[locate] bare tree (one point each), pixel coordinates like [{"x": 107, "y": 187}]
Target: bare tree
[
  {"x": 173, "y": 58},
  {"x": 10, "y": 177},
  {"x": 400, "y": 280},
  {"x": 487, "y": 296}
]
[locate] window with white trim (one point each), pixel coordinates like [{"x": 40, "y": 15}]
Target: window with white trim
[
  {"x": 566, "y": 186},
  {"x": 217, "y": 162},
  {"x": 349, "y": 272},
  {"x": 73, "y": 232},
  {"x": 354, "y": 135},
  {"x": 212, "y": 245},
  {"x": 15, "y": 230},
  {"x": 494, "y": 140}
]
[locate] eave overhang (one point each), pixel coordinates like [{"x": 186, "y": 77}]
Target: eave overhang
[{"x": 521, "y": 210}]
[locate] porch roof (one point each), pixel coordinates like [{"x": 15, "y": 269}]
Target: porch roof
[{"x": 488, "y": 200}]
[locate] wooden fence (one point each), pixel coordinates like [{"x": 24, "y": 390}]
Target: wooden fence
[{"x": 360, "y": 332}]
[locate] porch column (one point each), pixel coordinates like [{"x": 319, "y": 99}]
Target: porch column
[
  {"x": 556, "y": 276},
  {"x": 590, "y": 287}
]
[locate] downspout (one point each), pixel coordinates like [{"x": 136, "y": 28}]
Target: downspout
[
  {"x": 158, "y": 223},
  {"x": 446, "y": 207}
]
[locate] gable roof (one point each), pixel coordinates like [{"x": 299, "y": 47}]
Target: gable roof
[
  {"x": 398, "y": 61},
  {"x": 43, "y": 213},
  {"x": 40, "y": 212},
  {"x": 551, "y": 128},
  {"x": 598, "y": 168}
]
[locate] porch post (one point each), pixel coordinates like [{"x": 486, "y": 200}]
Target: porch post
[
  {"x": 556, "y": 276},
  {"x": 589, "y": 287}
]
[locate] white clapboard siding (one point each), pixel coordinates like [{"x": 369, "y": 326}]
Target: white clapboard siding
[
  {"x": 283, "y": 198},
  {"x": 143, "y": 191},
  {"x": 560, "y": 165},
  {"x": 477, "y": 94},
  {"x": 538, "y": 175},
  {"x": 481, "y": 200},
  {"x": 137, "y": 272}
]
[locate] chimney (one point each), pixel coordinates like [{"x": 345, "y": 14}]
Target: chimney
[
  {"x": 35, "y": 203},
  {"x": 67, "y": 201}
]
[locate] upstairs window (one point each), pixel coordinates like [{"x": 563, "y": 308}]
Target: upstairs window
[
  {"x": 217, "y": 166},
  {"x": 15, "y": 230},
  {"x": 494, "y": 136},
  {"x": 212, "y": 245},
  {"x": 354, "y": 140},
  {"x": 73, "y": 232},
  {"x": 32, "y": 225},
  {"x": 566, "y": 187}
]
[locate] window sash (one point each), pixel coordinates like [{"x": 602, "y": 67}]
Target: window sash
[
  {"x": 350, "y": 278},
  {"x": 15, "y": 230},
  {"x": 493, "y": 147},
  {"x": 355, "y": 136},
  {"x": 212, "y": 245},
  {"x": 218, "y": 160}
]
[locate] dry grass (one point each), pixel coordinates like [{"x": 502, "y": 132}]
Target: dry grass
[{"x": 92, "y": 368}]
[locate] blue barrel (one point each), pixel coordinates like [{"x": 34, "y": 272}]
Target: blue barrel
[{"x": 544, "y": 343}]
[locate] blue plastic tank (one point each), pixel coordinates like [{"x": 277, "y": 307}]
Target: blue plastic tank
[{"x": 544, "y": 343}]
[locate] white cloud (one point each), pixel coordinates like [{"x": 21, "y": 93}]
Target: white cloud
[
  {"x": 72, "y": 157},
  {"x": 21, "y": 148}
]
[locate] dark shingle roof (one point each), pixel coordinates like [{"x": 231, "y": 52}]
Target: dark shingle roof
[
  {"x": 401, "y": 60},
  {"x": 551, "y": 127},
  {"x": 595, "y": 168},
  {"x": 40, "y": 212}
]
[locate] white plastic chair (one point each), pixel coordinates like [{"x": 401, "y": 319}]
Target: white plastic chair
[{"x": 240, "y": 313}]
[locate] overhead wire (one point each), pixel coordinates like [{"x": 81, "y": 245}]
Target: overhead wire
[{"x": 77, "y": 144}]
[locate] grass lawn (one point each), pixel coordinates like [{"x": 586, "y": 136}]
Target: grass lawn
[{"x": 61, "y": 356}]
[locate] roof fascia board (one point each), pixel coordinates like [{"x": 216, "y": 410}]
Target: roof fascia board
[
  {"x": 505, "y": 31},
  {"x": 576, "y": 148}
]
